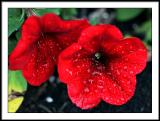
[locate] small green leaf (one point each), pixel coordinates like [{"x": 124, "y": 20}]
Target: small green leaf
[
  {"x": 146, "y": 29},
  {"x": 68, "y": 13},
  {"x": 93, "y": 21},
  {"x": 16, "y": 82},
  {"x": 125, "y": 14},
  {"x": 18, "y": 35},
  {"x": 127, "y": 35},
  {"x": 148, "y": 36},
  {"x": 14, "y": 104},
  {"x": 15, "y": 19},
  {"x": 42, "y": 11}
]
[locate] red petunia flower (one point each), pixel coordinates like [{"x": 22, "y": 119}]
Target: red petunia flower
[
  {"x": 102, "y": 66},
  {"x": 43, "y": 38}
]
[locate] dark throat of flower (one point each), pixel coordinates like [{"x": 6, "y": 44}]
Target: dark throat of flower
[{"x": 100, "y": 57}]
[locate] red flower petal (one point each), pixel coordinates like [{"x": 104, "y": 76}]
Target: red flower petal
[
  {"x": 51, "y": 23},
  {"x": 94, "y": 37},
  {"x": 83, "y": 95},
  {"x": 19, "y": 56},
  {"x": 43, "y": 38},
  {"x": 118, "y": 90},
  {"x": 31, "y": 30},
  {"x": 103, "y": 65},
  {"x": 128, "y": 55},
  {"x": 71, "y": 63},
  {"x": 30, "y": 34},
  {"x": 41, "y": 65},
  {"x": 72, "y": 30}
]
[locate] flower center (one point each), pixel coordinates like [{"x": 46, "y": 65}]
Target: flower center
[{"x": 100, "y": 57}]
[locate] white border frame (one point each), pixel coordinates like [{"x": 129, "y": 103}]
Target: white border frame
[{"x": 155, "y": 44}]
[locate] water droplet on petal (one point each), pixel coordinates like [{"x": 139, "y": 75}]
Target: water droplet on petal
[
  {"x": 125, "y": 67},
  {"x": 122, "y": 99},
  {"x": 96, "y": 73},
  {"x": 118, "y": 72},
  {"x": 86, "y": 89},
  {"x": 131, "y": 72},
  {"x": 88, "y": 70},
  {"x": 90, "y": 81}
]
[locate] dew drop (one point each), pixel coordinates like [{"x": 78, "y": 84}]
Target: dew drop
[
  {"x": 120, "y": 46},
  {"x": 122, "y": 52},
  {"x": 130, "y": 90},
  {"x": 106, "y": 98},
  {"x": 114, "y": 85},
  {"x": 90, "y": 81},
  {"x": 128, "y": 82},
  {"x": 78, "y": 55},
  {"x": 95, "y": 72},
  {"x": 100, "y": 86},
  {"x": 118, "y": 72},
  {"x": 70, "y": 72},
  {"x": 122, "y": 99},
  {"x": 112, "y": 68},
  {"x": 131, "y": 72},
  {"x": 88, "y": 70},
  {"x": 86, "y": 89},
  {"x": 125, "y": 67}
]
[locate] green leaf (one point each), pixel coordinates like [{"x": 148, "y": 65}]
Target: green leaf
[
  {"x": 127, "y": 35},
  {"x": 146, "y": 29},
  {"x": 18, "y": 35},
  {"x": 148, "y": 36},
  {"x": 42, "y": 11},
  {"x": 125, "y": 14},
  {"x": 14, "y": 104},
  {"x": 68, "y": 13},
  {"x": 93, "y": 21},
  {"x": 12, "y": 42},
  {"x": 16, "y": 82},
  {"x": 15, "y": 19}
]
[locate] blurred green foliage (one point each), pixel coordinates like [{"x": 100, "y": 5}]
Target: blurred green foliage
[
  {"x": 42, "y": 11},
  {"x": 126, "y": 14},
  {"x": 93, "y": 21},
  {"x": 17, "y": 85},
  {"x": 68, "y": 13},
  {"x": 14, "y": 104},
  {"x": 15, "y": 19},
  {"x": 146, "y": 29},
  {"x": 16, "y": 82}
]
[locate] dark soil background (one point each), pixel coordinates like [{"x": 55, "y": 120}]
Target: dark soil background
[{"x": 52, "y": 96}]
